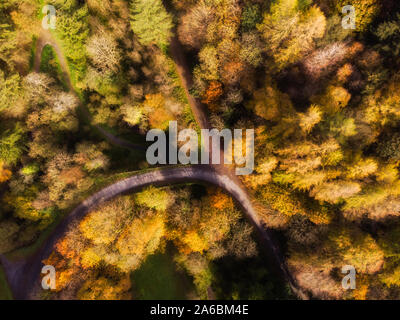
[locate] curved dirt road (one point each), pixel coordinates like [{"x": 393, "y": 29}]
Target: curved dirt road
[
  {"x": 24, "y": 281},
  {"x": 23, "y": 275}
]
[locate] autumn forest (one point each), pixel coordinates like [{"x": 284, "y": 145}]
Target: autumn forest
[{"x": 317, "y": 80}]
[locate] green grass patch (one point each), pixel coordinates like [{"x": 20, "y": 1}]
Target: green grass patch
[
  {"x": 50, "y": 64},
  {"x": 5, "y": 292},
  {"x": 179, "y": 92},
  {"x": 32, "y": 54},
  {"x": 159, "y": 279},
  {"x": 39, "y": 13},
  {"x": 71, "y": 34}
]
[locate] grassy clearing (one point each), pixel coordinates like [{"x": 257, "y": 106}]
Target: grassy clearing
[
  {"x": 5, "y": 292},
  {"x": 179, "y": 92},
  {"x": 71, "y": 69},
  {"x": 50, "y": 64},
  {"x": 32, "y": 54},
  {"x": 159, "y": 279},
  {"x": 40, "y": 14}
]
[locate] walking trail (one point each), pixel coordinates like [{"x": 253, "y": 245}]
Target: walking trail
[{"x": 24, "y": 275}]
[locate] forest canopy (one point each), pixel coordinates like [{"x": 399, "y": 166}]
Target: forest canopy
[{"x": 77, "y": 102}]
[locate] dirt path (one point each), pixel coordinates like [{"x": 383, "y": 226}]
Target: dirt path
[
  {"x": 46, "y": 38},
  {"x": 200, "y": 113},
  {"x": 23, "y": 276},
  {"x": 198, "y": 109}
]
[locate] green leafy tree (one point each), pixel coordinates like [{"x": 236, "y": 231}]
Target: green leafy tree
[
  {"x": 9, "y": 90},
  {"x": 388, "y": 33},
  {"x": 151, "y": 22},
  {"x": 251, "y": 16},
  {"x": 154, "y": 198},
  {"x": 290, "y": 33},
  {"x": 8, "y": 40},
  {"x": 73, "y": 29},
  {"x": 11, "y": 145}
]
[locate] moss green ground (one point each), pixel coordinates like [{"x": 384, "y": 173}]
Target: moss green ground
[
  {"x": 5, "y": 292},
  {"x": 50, "y": 64},
  {"x": 159, "y": 279}
]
